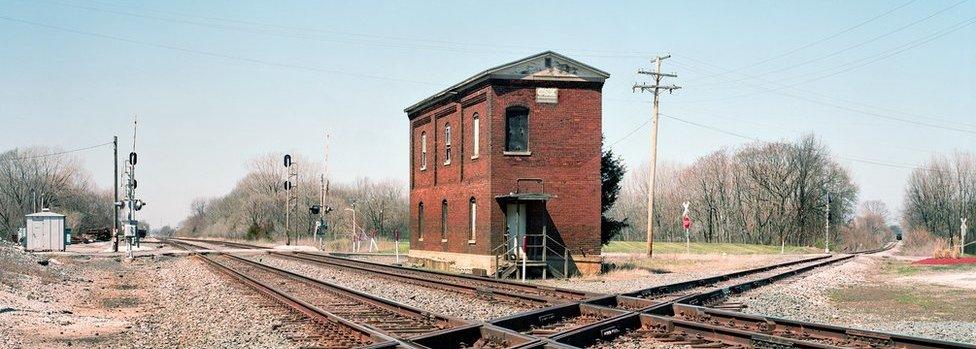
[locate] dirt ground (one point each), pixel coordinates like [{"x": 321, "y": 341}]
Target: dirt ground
[
  {"x": 882, "y": 292},
  {"x": 924, "y": 293},
  {"x": 71, "y": 301}
]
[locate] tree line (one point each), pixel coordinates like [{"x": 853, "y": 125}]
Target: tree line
[
  {"x": 939, "y": 194},
  {"x": 32, "y": 179},
  {"x": 760, "y": 193},
  {"x": 256, "y": 207}
]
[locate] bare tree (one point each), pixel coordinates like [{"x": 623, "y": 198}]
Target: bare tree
[
  {"x": 767, "y": 193},
  {"x": 940, "y": 193}
]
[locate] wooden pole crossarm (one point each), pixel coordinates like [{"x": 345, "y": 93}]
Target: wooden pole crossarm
[{"x": 671, "y": 75}]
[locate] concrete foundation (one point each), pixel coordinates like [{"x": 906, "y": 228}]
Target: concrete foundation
[{"x": 464, "y": 263}]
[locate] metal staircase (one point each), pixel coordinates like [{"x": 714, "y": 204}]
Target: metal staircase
[{"x": 537, "y": 255}]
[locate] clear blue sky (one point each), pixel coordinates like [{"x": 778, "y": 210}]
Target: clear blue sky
[{"x": 216, "y": 83}]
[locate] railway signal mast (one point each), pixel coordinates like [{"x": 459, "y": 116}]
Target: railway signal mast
[
  {"x": 131, "y": 204},
  {"x": 288, "y": 196}
]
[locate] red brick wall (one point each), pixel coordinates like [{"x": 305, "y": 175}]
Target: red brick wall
[
  {"x": 564, "y": 139},
  {"x": 464, "y": 178}
]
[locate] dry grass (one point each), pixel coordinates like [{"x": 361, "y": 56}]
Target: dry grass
[
  {"x": 943, "y": 250},
  {"x": 919, "y": 242}
]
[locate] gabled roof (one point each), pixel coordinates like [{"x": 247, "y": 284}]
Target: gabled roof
[
  {"x": 45, "y": 214},
  {"x": 547, "y": 65}
]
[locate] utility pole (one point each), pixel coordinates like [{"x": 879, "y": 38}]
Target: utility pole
[
  {"x": 115, "y": 219},
  {"x": 656, "y": 88}
]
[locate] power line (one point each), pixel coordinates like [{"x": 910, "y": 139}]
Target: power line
[
  {"x": 739, "y": 119},
  {"x": 57, "y": 153},
  {"x": 811, "y": 44},
  {"x": 212, "y": 54},
  {"x": 814, "y": 93},
  {"x": 397, "y": 41},
  {"x": 851, "y": 47},
  {"x": 780, "y": 86},
  {"x": 862, "y": 160}
]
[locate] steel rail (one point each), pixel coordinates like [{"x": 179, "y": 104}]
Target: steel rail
[
  {"x": 661, "y": 330},
  {"x": 655, "y": 291},
  {"x": 356, "y": 335},
  {"x": 715, "y": 295},
  {"x": 835, "y": 335},
  {"x": 482, "y": 286},
  {"x": 386, "y": 316},
  {"x": 392, "y": 318},
  {"x": 675, "y": 322}
]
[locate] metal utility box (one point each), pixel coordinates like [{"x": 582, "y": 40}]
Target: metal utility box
[{"x": 45, "y": 231}]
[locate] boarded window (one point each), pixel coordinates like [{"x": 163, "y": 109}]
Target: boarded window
[
  {"x": 423, "y": 150},
  {"x": 517, "y": 129},
  {"x": 420, "y": 221},
  {"x": 444, "y": 220}
]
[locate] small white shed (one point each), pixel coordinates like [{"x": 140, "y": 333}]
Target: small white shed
[{"x": 45, "y": 231}]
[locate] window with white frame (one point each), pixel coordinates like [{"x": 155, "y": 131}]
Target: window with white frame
[
  {"x": 473, "y": 218},
  {"x": 423, "y": 151},
  {"x": 475, "y": 136},
  {"x": 447, "y": 144}
]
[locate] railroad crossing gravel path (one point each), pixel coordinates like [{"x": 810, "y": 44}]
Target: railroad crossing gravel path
[
  {"x": 806, "y": 298},
  {"x": 437, "y": 301}
]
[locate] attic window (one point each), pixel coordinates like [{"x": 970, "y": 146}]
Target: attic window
[{"x": 548, "y": 62}]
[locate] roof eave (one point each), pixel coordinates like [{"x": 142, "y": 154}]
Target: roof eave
[{"x": 491, "y": 74}]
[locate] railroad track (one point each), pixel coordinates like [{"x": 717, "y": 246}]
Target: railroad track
[
  {"x": 669, "y": 315},
  {"x": 517, "y": 293},
  {"x": 677, "y": 291},
  {"x": 311, "y": 327}
]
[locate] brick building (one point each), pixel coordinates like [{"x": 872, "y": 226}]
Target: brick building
[{"x": 510, "y": 157}]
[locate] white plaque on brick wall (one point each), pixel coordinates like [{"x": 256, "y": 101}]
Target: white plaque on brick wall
[{"x": 546, "y": 95}]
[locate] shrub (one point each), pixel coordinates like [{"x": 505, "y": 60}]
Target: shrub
[{"x": 919, "y": 242}]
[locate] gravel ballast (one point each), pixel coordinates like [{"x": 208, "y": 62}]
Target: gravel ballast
[
  {"x": 438, "y": 301},
  {"x": 807, "y": 299}
]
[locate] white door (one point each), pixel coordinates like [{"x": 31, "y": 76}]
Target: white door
[
  {"x": 38, "y": 235},
  {"x": 516, "y": 224}
]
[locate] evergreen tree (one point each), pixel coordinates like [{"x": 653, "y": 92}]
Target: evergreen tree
[{"x": 611, "y": 174}]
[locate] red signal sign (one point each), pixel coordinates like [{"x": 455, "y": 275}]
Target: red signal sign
[{"x": 686, "y": 222}]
